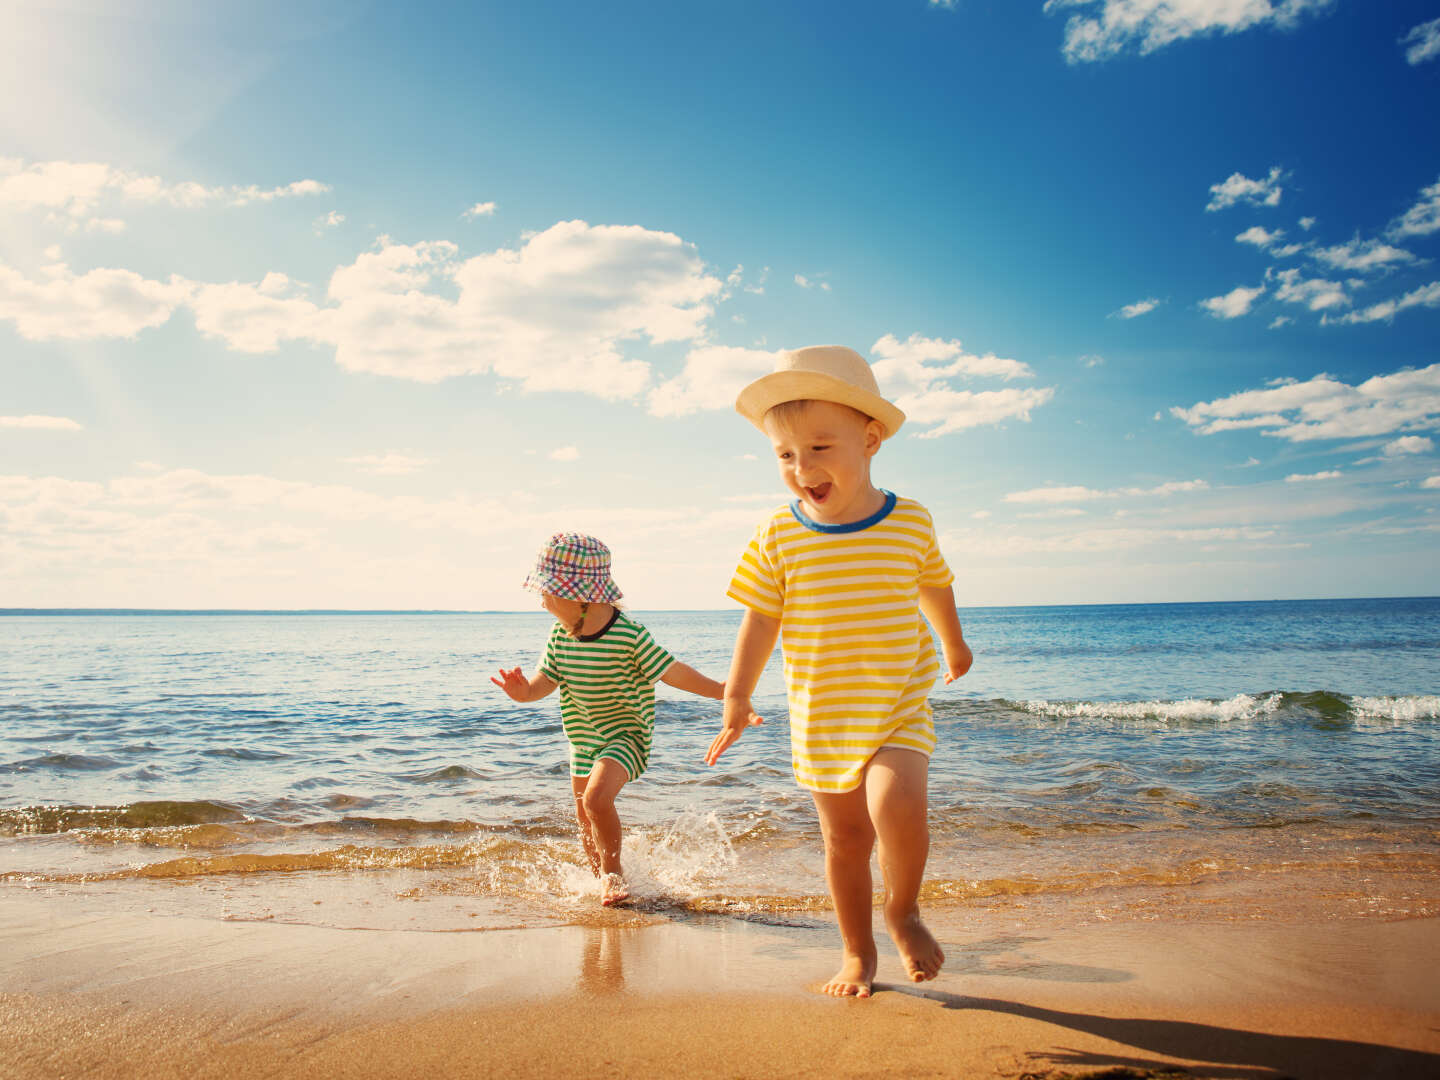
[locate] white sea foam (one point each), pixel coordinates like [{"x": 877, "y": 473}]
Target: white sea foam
[
  {"x": 1239, "y": 707},
  {"x": 1407, "y": 707}
]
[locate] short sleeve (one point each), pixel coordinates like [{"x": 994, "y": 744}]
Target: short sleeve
[
  {"x": 756, "y": 583},
  {"x": 651, "y": 660},
  {"x": 547, "y": 661},
  {"x": 935, "y": 573}
]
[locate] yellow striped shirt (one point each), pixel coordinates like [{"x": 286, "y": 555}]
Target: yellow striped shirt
[{"x": 859, "y": 659}]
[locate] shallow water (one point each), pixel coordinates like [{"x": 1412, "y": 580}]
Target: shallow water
[{"x": 366, "y": 761}]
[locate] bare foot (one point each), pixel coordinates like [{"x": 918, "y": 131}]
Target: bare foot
[
  {"x": 855, "y": 978},
  {"x": 919, "y": 951},
  {"x": 613, "y": 890}
]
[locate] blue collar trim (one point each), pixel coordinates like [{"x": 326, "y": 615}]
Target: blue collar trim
[{"x": 849, "y": 526}]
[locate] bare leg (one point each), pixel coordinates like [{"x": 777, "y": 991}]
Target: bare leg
[
  {"x": 598, "y": 803},
  {"x": 895, "y": 783},
  {"x": 587, "y": 839},
  {"x": 849, "y": 838}
]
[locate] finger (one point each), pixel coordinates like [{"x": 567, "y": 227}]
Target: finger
[{"x": 497, "y": 682}]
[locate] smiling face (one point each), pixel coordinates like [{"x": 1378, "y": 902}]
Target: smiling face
[{"x": 823, "y": 451}]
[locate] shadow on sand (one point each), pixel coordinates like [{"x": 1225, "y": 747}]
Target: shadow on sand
[{"x": 1229, "y": 1053}]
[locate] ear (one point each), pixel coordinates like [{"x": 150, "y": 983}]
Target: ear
[{"x": 874, "y": 436}]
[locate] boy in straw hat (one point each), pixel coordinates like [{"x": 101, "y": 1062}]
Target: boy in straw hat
[{"x": 844, "y": 573}]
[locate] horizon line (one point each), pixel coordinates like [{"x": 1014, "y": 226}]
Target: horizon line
[{"x": 6, "y": 612}]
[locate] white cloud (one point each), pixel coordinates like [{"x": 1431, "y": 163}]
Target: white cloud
[
  {"x": 1235, "y": 303},
  {"x": 1325, "y": 408},
  {"x": 1361, "y": 255},
  {"x": 1279, "y": 321},
  {"x": 806, "y": 283},
  {"x": 552, "y": 315},
  {"x": 330, "y": 220},
  {"x": 564, "y": 453},
  {"x": 955, "y": 410},
  {"x": 1423, "y": 218},
  {"x": 1260, "y": 237},
  {"x": 480, "y": 209},
  {"x": 1425, "y": 295},
  {"x": 1430, "y": 482},
  {"x": 1148, "y": 25},
  {"x": 1059, "y": 494},
  {"x": 1140, "y": 307},
  {"x": 1240, "y": 188},
  {"x": 391, "y": 464},
  {"x": 40, "y": 423},
  {"x": 914, "y": 373},
  {"x": 1408, "y": 444},
  {"x": 911, "y": 365},
  {"x": 70, "y": 191},
  {"x": 712, "y": 377},
  {"x": 1318, "y": 293},
  {"x": 102, "y": 303},
  {"x": 1092, "y": 360},
  {"x": 1300, "y": 478},
  {"x": 1307, "y": 223},
  {"x": 1423, "y": 42}
]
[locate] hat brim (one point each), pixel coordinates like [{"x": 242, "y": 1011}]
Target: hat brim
[
  {"x": 778, "y": 387},
  {"x": 585, "y": 590}
]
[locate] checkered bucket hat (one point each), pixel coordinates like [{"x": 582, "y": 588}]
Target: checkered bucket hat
[{"x": 576, "y": 567}]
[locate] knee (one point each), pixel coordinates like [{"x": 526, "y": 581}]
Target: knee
[
  {"x": 594, "y": 802},
  {"x": 848, "y": 840}
]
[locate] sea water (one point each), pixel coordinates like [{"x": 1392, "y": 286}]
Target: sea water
[{"x": 361, "y": 769}]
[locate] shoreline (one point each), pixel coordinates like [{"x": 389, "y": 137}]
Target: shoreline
[{"x": 87, "y": 989}]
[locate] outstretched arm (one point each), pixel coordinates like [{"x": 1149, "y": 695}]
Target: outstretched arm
[
  {"x": 522, "y": 689},
  {"x": 753, "y": 646},
  {"x": 684, "y": 677},
  {"x": 938, "y": 606}
]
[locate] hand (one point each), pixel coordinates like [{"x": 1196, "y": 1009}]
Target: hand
[
  {"x": 958, "y": 659},
  {"x": 738, "y": 716},
  {"x": 515, "y": 684}
]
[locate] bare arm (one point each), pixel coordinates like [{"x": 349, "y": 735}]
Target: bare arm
[
  {"x": 753, "y": 646},
  {"x": 522, "y": 689},
  {"x": 938, "y": 606},
  {"x": 684, "y": 677}
]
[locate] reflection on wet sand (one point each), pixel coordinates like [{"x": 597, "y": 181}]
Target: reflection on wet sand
[{"x": 602, "y": 962}]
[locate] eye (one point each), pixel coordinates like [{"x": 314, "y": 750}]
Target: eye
[
  {"x": 820, "y": 448},
  {"x": 784, "y": 455}
]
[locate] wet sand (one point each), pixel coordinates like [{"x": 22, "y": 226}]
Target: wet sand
[{"x": 89, "y": 990}]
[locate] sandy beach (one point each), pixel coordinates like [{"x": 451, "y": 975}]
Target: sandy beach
[{"x": 90, "y": 990}]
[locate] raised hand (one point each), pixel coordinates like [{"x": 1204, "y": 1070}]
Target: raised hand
[{"x": 515, "y": 684}]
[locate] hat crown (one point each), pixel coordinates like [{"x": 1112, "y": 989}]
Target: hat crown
[
  {"x": 834, "y": 361},
  {"x": 577, "y": 553}
]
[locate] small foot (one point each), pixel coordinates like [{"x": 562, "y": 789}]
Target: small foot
[
  {"x": 856, "y": 978},
  {"x": 919, "y": 951},
  {"x": 613, "y": 890}
]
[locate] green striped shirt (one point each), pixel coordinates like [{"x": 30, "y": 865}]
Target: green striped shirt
[{"x": 607, "y": 690}]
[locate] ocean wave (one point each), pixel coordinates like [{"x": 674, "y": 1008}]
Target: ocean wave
[
  {"x": 41, "y": 820},
  {"x": 1319, "y": 707},
  {"x": 1417, "y": 707},
  {"x": 1239, "y": 707}
]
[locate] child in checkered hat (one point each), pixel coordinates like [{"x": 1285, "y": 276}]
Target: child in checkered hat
[{"x": 605, "y": 665}]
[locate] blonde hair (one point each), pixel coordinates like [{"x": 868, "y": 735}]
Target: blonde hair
[{"x": 788, "y": 411}]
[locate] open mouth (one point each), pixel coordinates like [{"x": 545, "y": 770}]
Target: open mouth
[{"x": 819, "y": 493}]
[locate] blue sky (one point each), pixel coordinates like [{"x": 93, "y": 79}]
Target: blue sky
[{"x": 346, "y": 305}]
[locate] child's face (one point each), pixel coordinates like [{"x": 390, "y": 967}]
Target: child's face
[
  {"x": 565, "y": 611},
  {"x": 823, "y": 453}
]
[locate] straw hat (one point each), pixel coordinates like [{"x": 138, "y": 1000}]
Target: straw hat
[
  {"x": 819, "y": 373},
  {"x": 575, "y": 567}
]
